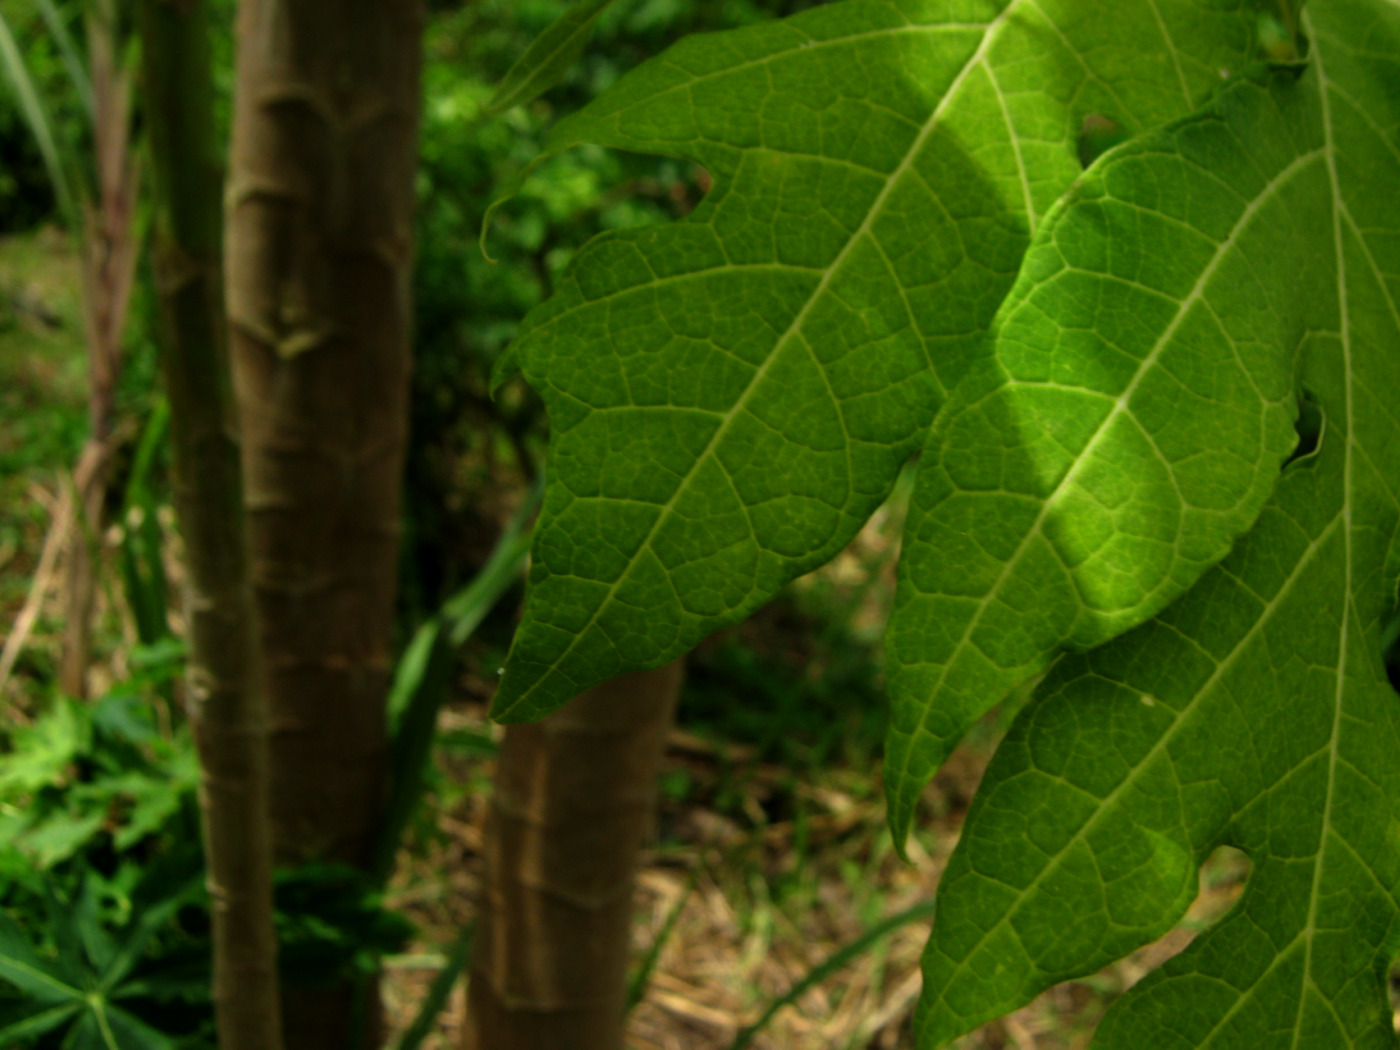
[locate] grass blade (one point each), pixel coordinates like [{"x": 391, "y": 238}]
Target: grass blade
[
  {"x": 420, "y": 681},
  {"x": 833, "y": 963},
  {"x": 77, "y": 72},
  {"x": 465, "y": 611},
  {"x": 438, "y": 992},
  {"x": 143, "y": 570},
  {"x": 637, "y": 986},
  {"x": 36, "y": 116}
]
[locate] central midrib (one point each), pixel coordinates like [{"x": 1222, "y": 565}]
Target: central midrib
[{"x": 794, "y": 327}]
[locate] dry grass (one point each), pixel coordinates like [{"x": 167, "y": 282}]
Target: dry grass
[
  {"x": 749, "y": 926},
  {"x": 754, "y": 904}
]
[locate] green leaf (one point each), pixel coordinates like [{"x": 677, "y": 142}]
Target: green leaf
[
  {"x": 421, "y": 679},
  {"x": 732, "y": 395},
  {"x": 68, "y": 49},
  {"x": 1255, "y": 711},
  {"x": 1128, "y": 428},
  {"x": 155, "y": 799},
  {"x": 129, "y": 1032},
  {"x": 144, "y": 926},
  {"x": 22, "y": 967},
  {"x": 59, "y": 837},
  {"x": 36, "y": 115},
  {"x": 98, "y": 944},
  {"x": 38, "y": 1021},
  {"x": 44, "y": 751},
  {"x": 107, "y": 1027},
  {"x": 547, "y": 60},
  {"x": 64, "y": 927}
]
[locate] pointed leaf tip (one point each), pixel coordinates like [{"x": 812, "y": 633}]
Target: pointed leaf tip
[{"x": 548, "y": 59}]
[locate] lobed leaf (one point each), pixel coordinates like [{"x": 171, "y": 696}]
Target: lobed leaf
[
  {"x": 1255, "y": 711},
  {"x": 732, "y": 395},
  {"x": 1127, "y": 429}
]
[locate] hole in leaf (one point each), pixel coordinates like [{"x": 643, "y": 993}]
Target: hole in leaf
[
  {"x": 1395, "y": 995},
  {"x": 1309, "y": 427},
  {"x": 1280, "y": 36},
  {"x": 1097, "y": 136},
  {"x": 1390, "y": 648},
  {"x": 1080, "y": 1004},
  {"x": 1221, "y": 881}
]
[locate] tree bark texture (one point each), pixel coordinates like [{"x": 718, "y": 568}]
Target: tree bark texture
[
  {"x": 575, "y": 800},
  {"x": 227, "y": 702},
  {"x": 320, "y": 222}
]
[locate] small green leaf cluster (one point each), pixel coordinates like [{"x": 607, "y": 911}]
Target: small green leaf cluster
[
  {"x": 1104, "y": 373},
  {"x": 332, "y": 924},
  {"x": 104, "y": 924},
  {"x": 97, "y": 983},
  {"x": 90, "y": 777}
]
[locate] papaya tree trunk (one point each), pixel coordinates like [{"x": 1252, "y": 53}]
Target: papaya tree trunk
[
  {"x": 320, "y": 223},
  {"x": 227, "y": 703},
  {"x": 575, "y": 800}
]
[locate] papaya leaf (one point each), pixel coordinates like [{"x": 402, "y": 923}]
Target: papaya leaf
[
  {"x": 733, "y": 394},
  {"x": 1254, "y": 711},
  {"x": 1128, "y": 428}
]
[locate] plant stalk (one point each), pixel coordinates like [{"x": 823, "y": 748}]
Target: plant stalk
[
  {"x": 320, "y": 232},
  {"x": 575, "y": 801},
  {"x": 227, "y": 698},
  {"x": 109, "y": 246}
]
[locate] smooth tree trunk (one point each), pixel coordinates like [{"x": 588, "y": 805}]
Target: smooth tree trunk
[
  {"x": 320, "y": 223},
  {"x": 227, "y": 702},
  {"x": 575, "y": 801},
  {"x": 109, "y": 252}
]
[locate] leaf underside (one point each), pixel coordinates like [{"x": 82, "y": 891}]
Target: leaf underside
[
  {"x": 1254, "y": 711},
  {"x": 733, "y": 394}
]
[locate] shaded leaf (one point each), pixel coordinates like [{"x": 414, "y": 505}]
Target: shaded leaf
[
  {"x": 145, "y": 925},
  {"x": 107, "y": 1027},
  {"x": 21, "y": 965},
  {"x": 39, "y": 1019}
]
